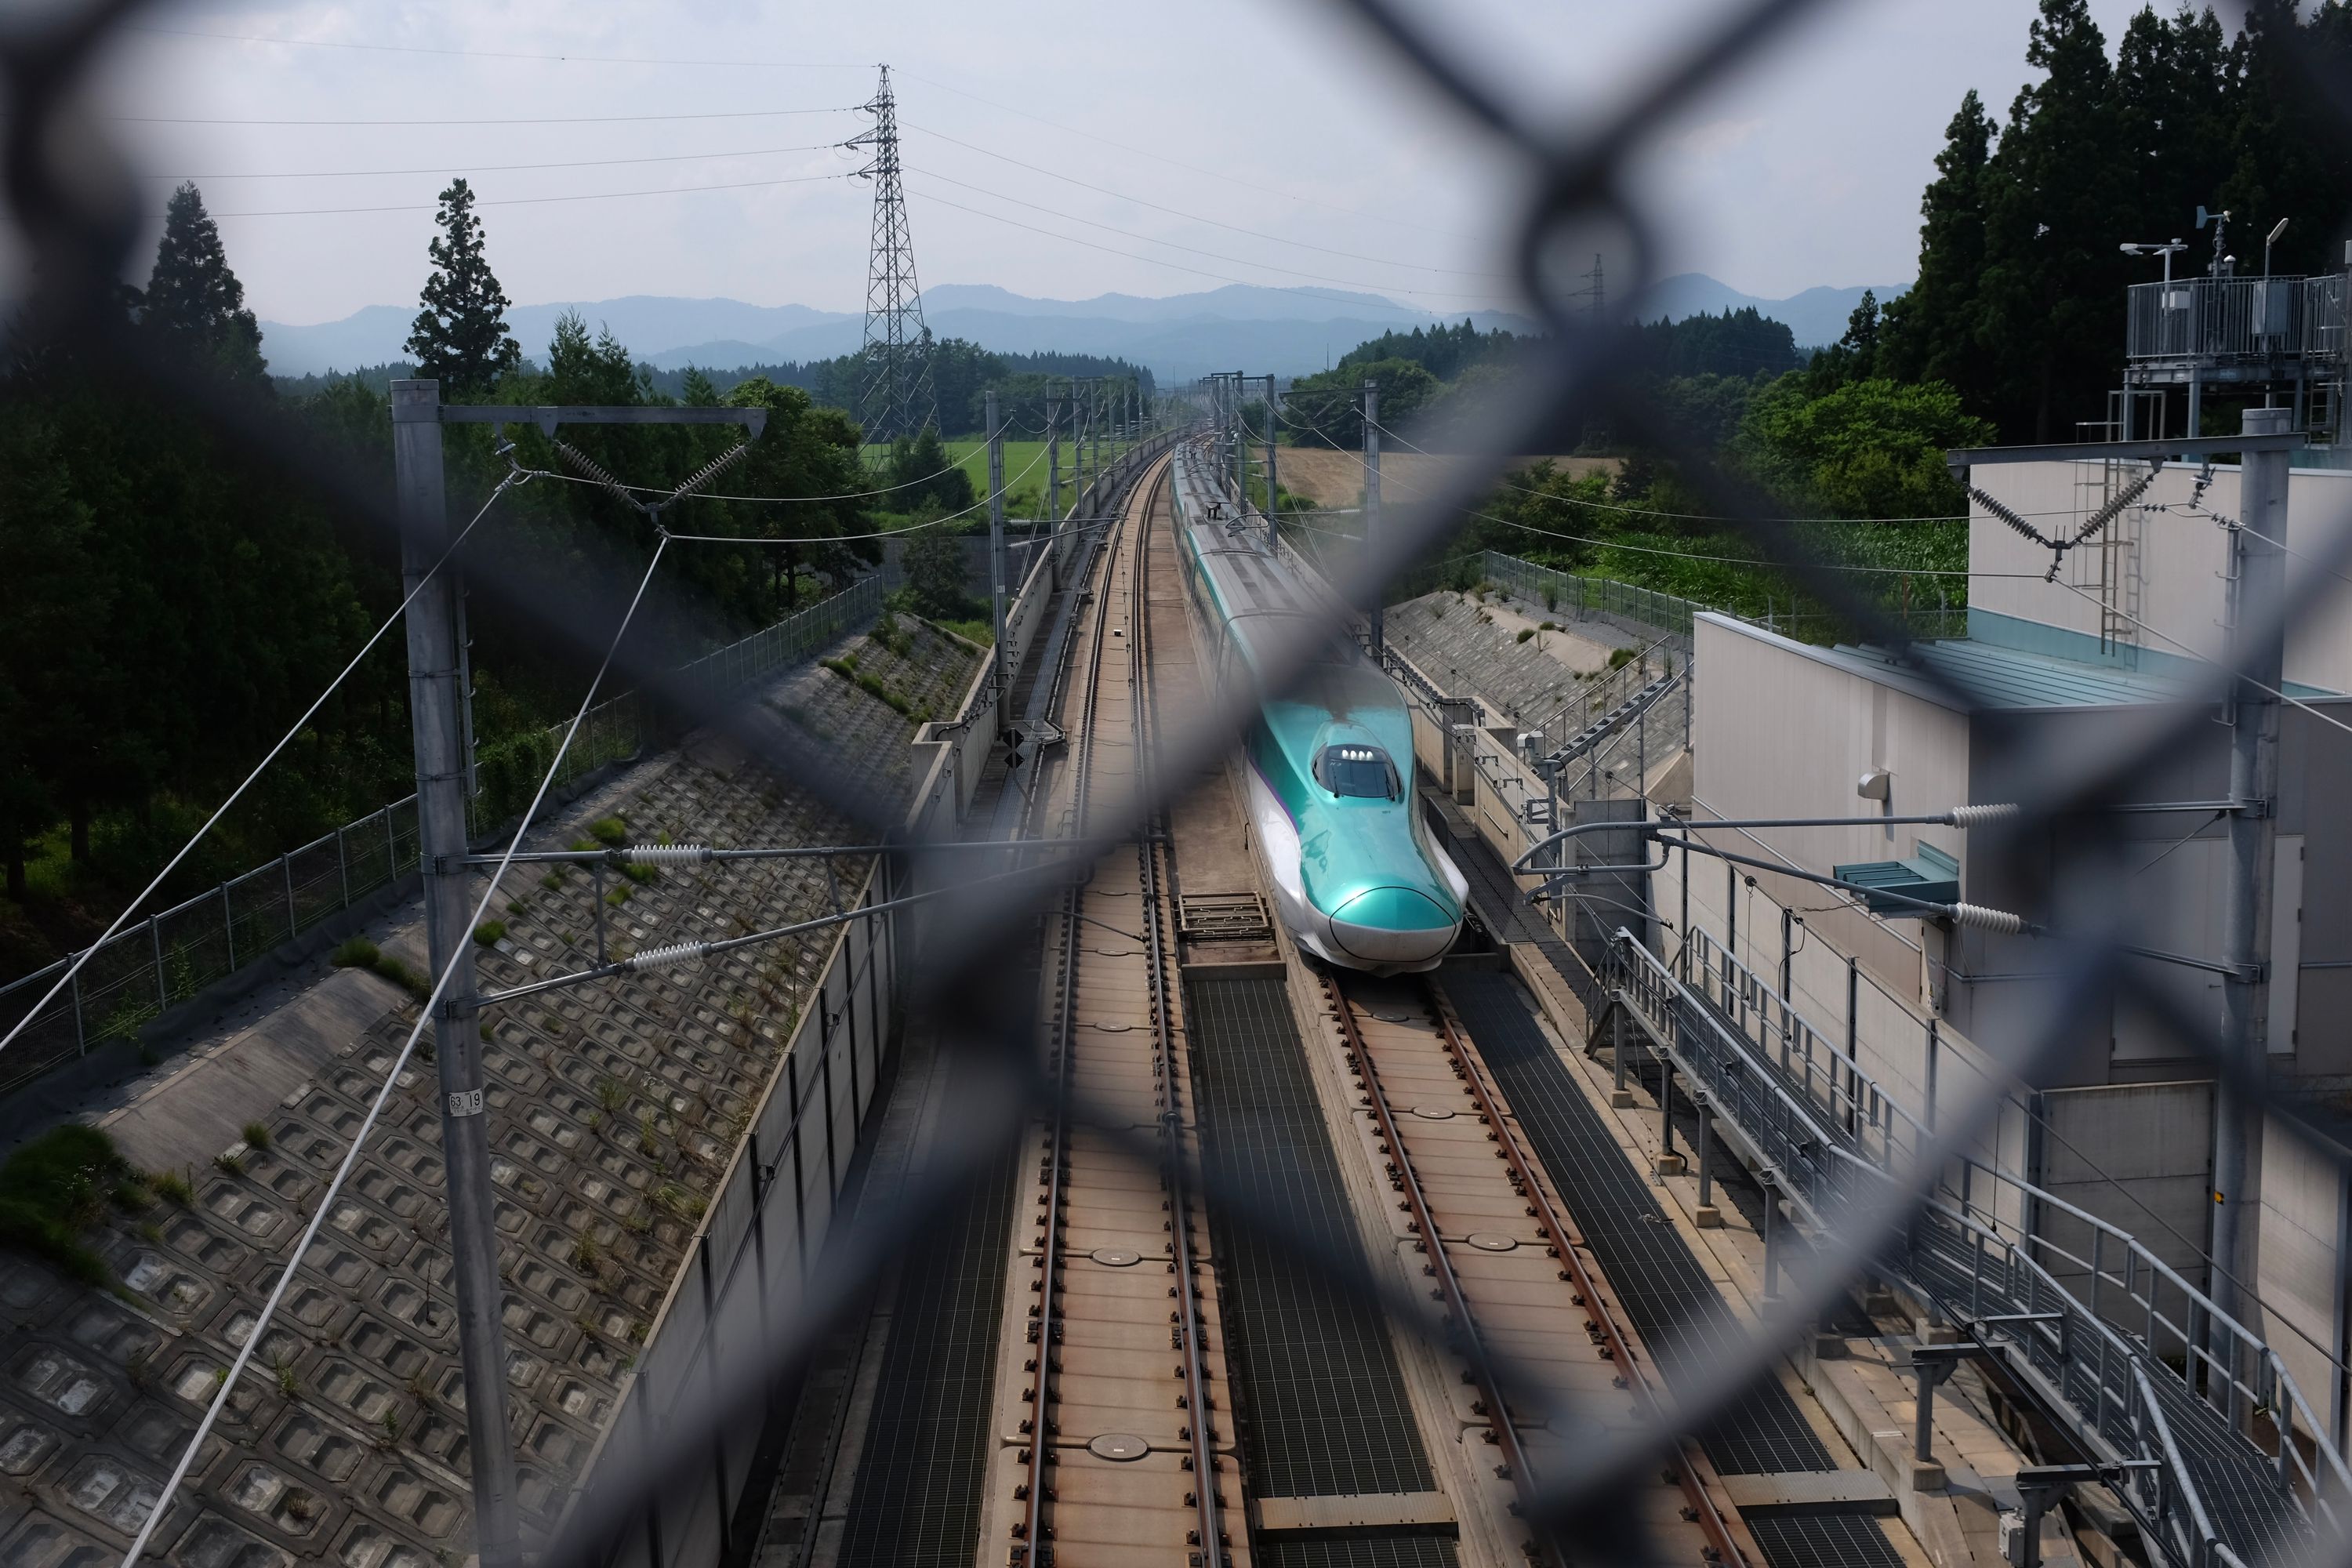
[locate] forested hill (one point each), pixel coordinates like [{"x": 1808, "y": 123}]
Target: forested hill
[{"x": 961, "y": 373}]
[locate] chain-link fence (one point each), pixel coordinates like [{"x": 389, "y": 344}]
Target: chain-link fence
[
  {"x": 67, "y": 209},
  {"x": 178, "y": 952}
]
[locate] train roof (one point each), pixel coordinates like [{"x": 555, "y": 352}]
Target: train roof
[{"x": 1262, "y": 601}]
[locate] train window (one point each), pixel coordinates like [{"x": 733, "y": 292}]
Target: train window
[{"x": 1363, "y": 773}]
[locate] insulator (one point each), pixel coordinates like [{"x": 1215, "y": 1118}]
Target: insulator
[
  {"x": 1980, "y": 816},
  {"x": 1983, "y": 918},
  {"x": 666, "y": 854},
  {"x": 675, "y": 954},
  {"x": 2010, "y": 517}
]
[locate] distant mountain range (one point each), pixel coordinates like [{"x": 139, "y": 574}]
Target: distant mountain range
[
  {"x": 1815, "y": 318},
  {"x": 1179, "y": 337}
]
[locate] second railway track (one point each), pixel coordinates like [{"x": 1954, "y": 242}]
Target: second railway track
[
  {"x": 1117, "y": 1447},
  {"x": 1505, "y": 1269}
]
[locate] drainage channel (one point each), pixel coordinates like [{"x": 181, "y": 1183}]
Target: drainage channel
[{"x": 1321, "y": 1403}]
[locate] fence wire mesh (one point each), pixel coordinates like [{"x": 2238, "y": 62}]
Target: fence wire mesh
[{"x": 73, "y": 207}]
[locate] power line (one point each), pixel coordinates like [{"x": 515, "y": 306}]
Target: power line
[
  {"x": 1157, "y": 261},
  {"x": 1197, "y": 218},
  {"x": 483, "y": 54},
  {"x": 501, "y": 168},
  {"x": 542, "y": 201},
  {"x": 513, "y": 477},
  {"x": 1221, "y": 176},
  {"x": 525, "y": 120},
  {"x": 1188, "y": 249}
]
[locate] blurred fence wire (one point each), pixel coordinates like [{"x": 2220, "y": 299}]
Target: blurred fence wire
[{"x": 76, "y": 211}]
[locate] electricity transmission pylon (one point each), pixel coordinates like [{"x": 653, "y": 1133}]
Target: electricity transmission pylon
[{"x": 896, "y": 397}]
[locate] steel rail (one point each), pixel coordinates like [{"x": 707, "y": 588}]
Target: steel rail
[
  {"x": 1190, "y": 1319},
  {"x": 1030, "y": 1548},
  {"x": 1505, "y": 1430},
  {"x": 1696, "y": 1473}
]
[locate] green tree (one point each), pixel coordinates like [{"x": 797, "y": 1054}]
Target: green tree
[
  {"x": 934, "y": 565},
  {"x": 809, "y": 451},
  {"x": 2053, "y": 280},
  {"x": 49, "y": 635},
  {"x": 2176, "y": 113},
  {"x": 1854, "y": 356},
  {"x": 1866, "y": 449},
  {"x": 2290, "y": 155},
  {"x": 1933, "y": 332},
  {"x": 192, "y": 298},
  {"x": 460, "y": 337},
  {"x": 1326, "y": 409},
  {"x": 919, "y": 470}
]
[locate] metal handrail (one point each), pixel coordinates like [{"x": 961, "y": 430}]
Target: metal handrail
[{"x": 1805, "y": 1155}]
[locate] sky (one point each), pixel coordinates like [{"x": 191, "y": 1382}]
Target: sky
[{"x": 1054, "y": 148}]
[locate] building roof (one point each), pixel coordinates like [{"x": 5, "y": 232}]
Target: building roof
[
  {"x": 1970, "y": 676},
  {"x": 2002, "y": 677}
]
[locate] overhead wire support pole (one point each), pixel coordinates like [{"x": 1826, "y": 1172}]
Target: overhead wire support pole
[
  {"x": 1273, "y": 485},
  {"x": 996, "y": 541},
  {"x": 1053, "y": 459},
  {"x": 1373, "y": 618},
  {"x": 437, "y": 699},
  {"x": 2256, "y": 590}
]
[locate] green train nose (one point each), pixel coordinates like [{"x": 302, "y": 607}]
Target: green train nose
[{"x": 1392, "y": 925}]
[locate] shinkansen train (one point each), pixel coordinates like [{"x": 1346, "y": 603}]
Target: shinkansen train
[{"x": 1358, "y": 881}]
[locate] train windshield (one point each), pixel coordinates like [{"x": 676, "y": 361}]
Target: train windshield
[{"x": 1363, "y": 773}]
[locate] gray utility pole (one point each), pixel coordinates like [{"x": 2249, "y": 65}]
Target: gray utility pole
[
  {"x": 437, "y": 701},
  {"x": 1373, "y": 504},
  {"x": 1100, "y": 415},
  {"x": 2257, "y": 592},
  {"x": 996, "y": 536},
  {"x": 1273, "y": 486},
  {"x": 1234, "y": 436},
  {"x": 1054, "y": 461}
]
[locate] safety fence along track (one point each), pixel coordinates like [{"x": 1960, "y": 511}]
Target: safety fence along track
[
  {"x": 1122, "y": 1455},
  {"x": 1490, "y": 1237}
]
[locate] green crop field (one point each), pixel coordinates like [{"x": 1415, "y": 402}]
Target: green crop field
[{"x": 1024, "y": 472}]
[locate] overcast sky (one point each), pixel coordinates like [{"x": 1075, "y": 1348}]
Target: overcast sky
[{"x": 1280, "y": 117}]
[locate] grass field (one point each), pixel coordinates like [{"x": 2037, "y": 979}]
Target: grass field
[{"x": 1024, "y": 472}]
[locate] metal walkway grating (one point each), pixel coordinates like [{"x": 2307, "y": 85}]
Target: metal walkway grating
[
  {"x": 1664, "y": 1290},
  {"x": 1323, "y": 1407},
  {"x": 1386, "y": 1549},
  {"x": 920, "y": 1470},
  {"x": 1823, "y": 1541}
]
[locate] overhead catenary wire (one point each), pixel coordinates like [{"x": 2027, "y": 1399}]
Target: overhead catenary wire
[
  {"x": 829, "y": 538},
  {"x": 424, "y": 1016},
  {"x": 515, "y": 476},
  {"x": 2208, "y": 659}
]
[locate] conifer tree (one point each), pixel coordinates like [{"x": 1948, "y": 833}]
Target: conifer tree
[
  {"x": 2175, "y": 111},
  {"x": 2290, "y": 155},
  {"x": 192, "y": 296},
  {"x": 1931, "y": 332},
  {"x": 460, "y": 338},
  {"x": 2053, "y": 278}
]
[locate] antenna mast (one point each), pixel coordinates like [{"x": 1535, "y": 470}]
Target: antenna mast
[{"x": 896, "y": 397}]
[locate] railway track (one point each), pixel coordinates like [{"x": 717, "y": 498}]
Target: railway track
[
  {"x": 1121, "y": 1451},
  {"x": 1505, "y": 1266}
]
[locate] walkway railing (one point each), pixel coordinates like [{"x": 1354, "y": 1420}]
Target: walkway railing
[
  {"x": 173, "y": 955},
  {"x": 2137, "y": 1362}
]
